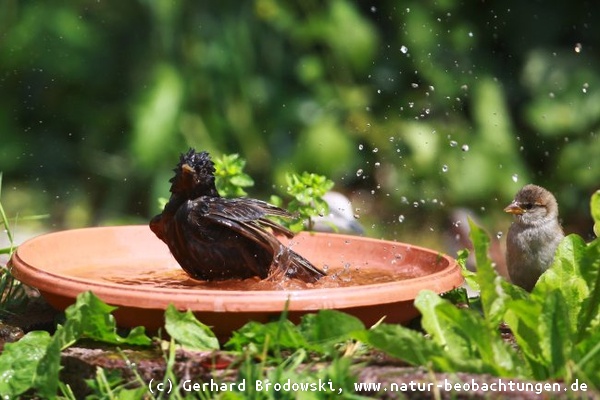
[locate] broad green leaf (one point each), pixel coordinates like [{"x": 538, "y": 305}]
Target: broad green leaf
[
  {"x": 589, "y": 318},
  {"x": 466, "y": 337},
  {"x": 47, "y": 371},
  {"x": 556, "y": 337},
  {"x": 91, "y": 318},
  {"x": 19, "y": 362},
  {"x": 470, "y": 276},
  {"x": 277, "y": 335},
  {"x": 188, "y": 331},
  {"x": 522, "y": 318},
  {"x": 405, "y": 344},
  {"x": 588, "y": 362},
  {"x": 564, "y": 275},
  {"x": 329, "y": 325},
  {"x": 494, "y": 290},
  {"x": 595, "y": 209}
]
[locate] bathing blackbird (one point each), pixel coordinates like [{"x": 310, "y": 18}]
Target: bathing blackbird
[{"x": 214, "y": 238}]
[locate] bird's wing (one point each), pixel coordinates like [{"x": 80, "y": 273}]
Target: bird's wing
[
  {"x": 244, "y": 212},
  {"x": 246, "y": 217}
]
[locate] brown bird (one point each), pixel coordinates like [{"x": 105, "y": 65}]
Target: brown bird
[
  {"x": 533, "y": 236},
  {"x": 214, "y": 238}
]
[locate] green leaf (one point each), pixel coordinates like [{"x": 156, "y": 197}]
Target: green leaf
[
  {"x": 466, "y": 337},
  {"x": 555, "y": 336},
  {"x": 329, "y": 326},
  {"x": 19, "y": 362},
  {"x": 230, "y": 178},
  {"x": 595, "y": 209},
  {"x": 565, "y": 276},
  {"x": 589, "y": 269},
  {"x": 470, "y": 276},
  {"x": 405, "y": 344},
  {"x": 282, "y": 334},
  {"x": 188, "y": 331},
  {"x": 48, "y": 368},
  {"x": 522, "y": 317},
  {"x": 307, "y": 190},
  {"x": 494, "y": 290},
  {"x": 91, "y": 318},
  {"x": 588, "y": 364}
]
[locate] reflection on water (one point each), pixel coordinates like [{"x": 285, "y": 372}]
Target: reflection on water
[{"x": 176, "y": 278}]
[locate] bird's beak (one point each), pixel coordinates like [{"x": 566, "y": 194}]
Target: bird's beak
[
  {"x": 514, "y": 208},
  {"x": 187, "y": 169}
]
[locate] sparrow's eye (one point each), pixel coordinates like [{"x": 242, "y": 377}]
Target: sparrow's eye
[{"x": 527, "y": 206}]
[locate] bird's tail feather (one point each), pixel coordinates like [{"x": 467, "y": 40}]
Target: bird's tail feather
[{"x": 293, "y": 265}]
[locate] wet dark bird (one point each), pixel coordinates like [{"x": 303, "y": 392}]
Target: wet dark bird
[{"x": 216, "y": 238}]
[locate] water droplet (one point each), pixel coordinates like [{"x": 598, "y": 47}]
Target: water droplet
[
  {"x": 585, "y": 87},
  {"x": 444, "y": 168},
  {"x": 359, "y": 172},
  {"x": 401, "y": 218},
  {"x": 470, "y": 34},
  {"x": 515, "y": 178},
  {"x": 453, "y": 143},
  {"x": 414, "y": 85},
  {"x": 404, "y": 49},
  {"x": 465, "y": 147},
  {"x": 375, "y": 150},
  {"x": 578, "y": 47},
  {"x": 499, "y": 234},
  {"x": 360, "y": 147},
  {"x": 415, "y": 204},
  {"x": 377, "y": 164},
  {"x": 373, "y": 9}
]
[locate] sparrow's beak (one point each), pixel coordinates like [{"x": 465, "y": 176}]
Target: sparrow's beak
[
  {"x": 514, "y": 208},
  {"x": 187, "y": 169}
]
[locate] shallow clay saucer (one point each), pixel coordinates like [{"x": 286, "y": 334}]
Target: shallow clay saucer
[{"x": 128, "y": 267}]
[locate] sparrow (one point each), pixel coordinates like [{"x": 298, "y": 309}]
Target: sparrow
[
  {"x": 533, "y": 236},
  {"x": 216, "y": 238}
]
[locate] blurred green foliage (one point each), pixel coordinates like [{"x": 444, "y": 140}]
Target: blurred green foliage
[{"x": 411, "y": 108}]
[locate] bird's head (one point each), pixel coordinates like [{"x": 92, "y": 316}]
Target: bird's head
[
  {"x": 533, "y": 205},
  {"x": 194, "y": 175}
]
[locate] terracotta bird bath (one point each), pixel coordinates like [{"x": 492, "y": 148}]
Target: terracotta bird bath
[{"x": 128, "y": 267}]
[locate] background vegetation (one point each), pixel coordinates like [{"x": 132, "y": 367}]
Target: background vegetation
[{"x": 412, "y": 108}]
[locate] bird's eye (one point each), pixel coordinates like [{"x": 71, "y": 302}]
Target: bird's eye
[{"x": 527, "y": 206}]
